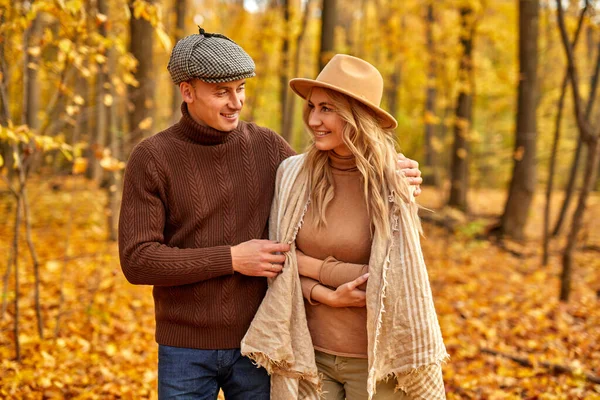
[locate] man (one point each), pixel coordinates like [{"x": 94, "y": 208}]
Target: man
[{"x": 193, "y": 223}]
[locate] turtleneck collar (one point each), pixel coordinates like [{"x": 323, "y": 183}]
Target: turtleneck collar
[
  {"x": 342, "y": 163},
  {"x": 191, "y": 131}
]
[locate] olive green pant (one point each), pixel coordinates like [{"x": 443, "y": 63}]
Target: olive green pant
[{"x": 346, "y": 378}]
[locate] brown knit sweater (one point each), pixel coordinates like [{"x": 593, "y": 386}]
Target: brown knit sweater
[{"x": 190, "y": 193}]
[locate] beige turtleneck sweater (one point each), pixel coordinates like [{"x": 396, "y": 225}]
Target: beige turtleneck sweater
[{"x": 345, "y": 246}]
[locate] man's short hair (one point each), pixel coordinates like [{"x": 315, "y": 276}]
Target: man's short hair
[{"x": 210, "y": 57}]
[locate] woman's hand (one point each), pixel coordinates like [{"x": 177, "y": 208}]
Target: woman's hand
[{"x": 348, "y": 294}]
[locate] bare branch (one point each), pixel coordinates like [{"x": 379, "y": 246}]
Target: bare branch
[
  {"x": 552, "y": 164},
  {"x": 558, "y": 368},
  {"x": 583, "y": 125},
  {"x": 35, "y": 260}
]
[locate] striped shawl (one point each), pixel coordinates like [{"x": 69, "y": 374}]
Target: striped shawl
[{"x": 404, "y": 337}]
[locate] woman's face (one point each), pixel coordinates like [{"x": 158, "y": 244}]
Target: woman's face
[{"x": 325, "y": 123}]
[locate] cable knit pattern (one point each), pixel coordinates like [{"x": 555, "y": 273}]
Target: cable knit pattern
[{"x": 190, "y": 193}]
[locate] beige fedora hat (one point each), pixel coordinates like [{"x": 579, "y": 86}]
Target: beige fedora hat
[{"x": 353, "y": 77}]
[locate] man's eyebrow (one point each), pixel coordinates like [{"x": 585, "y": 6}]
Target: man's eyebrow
[{"x": 225, "y": 87}]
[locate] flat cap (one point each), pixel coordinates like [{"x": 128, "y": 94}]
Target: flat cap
[{"x": 210, "y": 57}]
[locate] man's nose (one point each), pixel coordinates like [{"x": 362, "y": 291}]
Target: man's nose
[{"x": 236, "y": 101}]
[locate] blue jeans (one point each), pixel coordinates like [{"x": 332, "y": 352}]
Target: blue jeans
[{"x": 199, "y": 374}]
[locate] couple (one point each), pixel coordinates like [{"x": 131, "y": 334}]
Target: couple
[{"x": 348, "y": 311}]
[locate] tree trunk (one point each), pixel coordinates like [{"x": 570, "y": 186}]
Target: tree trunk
[
  {"x": 328, "y": 22},
  {"x": 290, "y": 106},
  {"x": 522, "y": 185},
  {"x": 180, "y": 13},
  {"x": 141, "y": 41},
  {"x": 5, "y": 148},
  {"x": 16, "y": 268},
  {"x": 552, "y": 164},
  {"x": 590, "y": 42},
  {"x": 464, "y": 110},
  {"x": 284, "y": 72},
  {"x": 114, "y": 177},
  {"x": 394, "y": 86},
  {"x": 430, "y": 176},
  {"x": 102, "y": 94}
]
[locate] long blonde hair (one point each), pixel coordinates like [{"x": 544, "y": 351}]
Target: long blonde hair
[{"x": 376, "y": 158}]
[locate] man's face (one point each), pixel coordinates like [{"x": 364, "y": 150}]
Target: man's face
[{"x": 217, "y": 105}]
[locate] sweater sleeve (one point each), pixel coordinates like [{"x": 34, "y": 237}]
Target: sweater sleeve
[
  {"x": 308, "y": 285},
  {"x": 145, "y": 258},
  {"x": 335, "y": 273}
]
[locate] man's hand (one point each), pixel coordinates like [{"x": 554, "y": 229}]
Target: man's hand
[
  {"x": 348, "y": 295},
  {"x": 259, "y": 257},
  {"x": 410, "y": 168}
]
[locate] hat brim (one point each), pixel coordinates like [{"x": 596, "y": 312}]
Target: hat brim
[{"x": 302, "y": 86}]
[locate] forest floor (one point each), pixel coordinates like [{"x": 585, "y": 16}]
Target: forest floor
[{"x": 99, "y": 336}]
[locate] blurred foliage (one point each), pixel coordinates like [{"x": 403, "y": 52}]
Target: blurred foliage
[
  {"x": 388, "y": 33},
  {"x": 100, "y": 330}
]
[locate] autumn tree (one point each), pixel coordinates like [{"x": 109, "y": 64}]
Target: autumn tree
[
  {"x": 555, "y": 143},
  {"x": 328, "y": 23},
  {"x": 522, "y": 185},
  {"x": 590, "y": 136},
  {"x": 464, "y": 111},
  {"x": 429, "y": 159},
  {"x": 181, "y": 11},
  {"x": 141, "y": 46}
]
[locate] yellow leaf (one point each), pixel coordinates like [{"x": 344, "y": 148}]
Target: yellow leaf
[
  {"x": 45, "y": 382},
  {"x": 65, "y": 45},
  {"x": 34, "y": 51},
  {"x": 52, "y": 265},
  {"x": 108, "y": 100},
  {"x": 461, "y": 153},
  {"x": 146, "y": 123},
  {"x": 1, "y": 161},
  {"x": 101, "y": 18},
  {"x": 431, "y": 119},
  {"x": 78, "y": 100},
  {"x": 112, "y": 164},
  {"x": 519, "y": 153},
  {"x": 100, "y": 59},
  {"x": 164, "y": 38},
  {"x": 80, "y": 165},
  {"x": 71, "y": 110}
]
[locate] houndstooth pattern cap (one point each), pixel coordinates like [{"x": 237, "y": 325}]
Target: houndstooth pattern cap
[{"x": 210, "y": 57}]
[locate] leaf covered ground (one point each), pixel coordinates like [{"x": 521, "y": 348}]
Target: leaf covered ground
[{"x": 486, "y": 298}]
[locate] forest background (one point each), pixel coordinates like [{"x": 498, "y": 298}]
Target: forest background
[{"x": 494, "y": 98}]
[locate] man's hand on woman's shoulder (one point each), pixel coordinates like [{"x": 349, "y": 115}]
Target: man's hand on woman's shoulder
[{"x": 410, "y": 169}]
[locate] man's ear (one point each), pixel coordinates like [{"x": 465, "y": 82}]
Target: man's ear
[{"x": 187, "y": 92}]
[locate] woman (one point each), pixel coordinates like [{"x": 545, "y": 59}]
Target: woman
[{"x": 356, "y": 257}]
